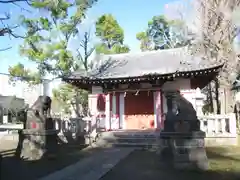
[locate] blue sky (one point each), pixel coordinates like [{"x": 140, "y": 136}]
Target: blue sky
[{"x": 132, "y": 15}]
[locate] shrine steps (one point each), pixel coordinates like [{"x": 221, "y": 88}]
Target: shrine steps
[{"x": 129, "y": 138}]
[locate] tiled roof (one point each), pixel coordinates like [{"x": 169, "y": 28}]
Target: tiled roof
[{"x": 145, "y": 63}]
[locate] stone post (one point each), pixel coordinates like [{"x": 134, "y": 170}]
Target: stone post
[
  {"x": 5, "y": 119},
  {"x": 1, "y": 115},
  {"x": 232, "y": 124}
]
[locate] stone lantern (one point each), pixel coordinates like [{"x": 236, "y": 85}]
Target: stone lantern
[
  {"x": 199, "y": 101},
  {"x": 236, "y": 89}
]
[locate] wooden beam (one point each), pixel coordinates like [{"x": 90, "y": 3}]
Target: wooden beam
[{"x": 131, "y": 90}]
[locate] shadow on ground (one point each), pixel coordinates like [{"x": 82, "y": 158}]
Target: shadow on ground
[
  {"x": 143, "y": 164},
  {"x": 14, "y": 167}
]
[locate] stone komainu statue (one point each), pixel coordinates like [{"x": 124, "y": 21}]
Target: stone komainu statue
[
  {"x": 180, "y": 111},
  {"x": 42, "y": 106}
]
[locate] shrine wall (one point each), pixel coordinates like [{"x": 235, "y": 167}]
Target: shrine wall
[{"x": 97, "y": 102}]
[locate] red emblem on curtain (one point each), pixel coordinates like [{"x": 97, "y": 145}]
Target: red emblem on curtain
[
  {"x": 152, "y": 123},
  {"x": 101, "y": 102}
]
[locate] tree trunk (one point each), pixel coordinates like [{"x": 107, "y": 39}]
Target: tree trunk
[
  {"x": 210, "y": 98},
  {"x": 217, "y": 101}
]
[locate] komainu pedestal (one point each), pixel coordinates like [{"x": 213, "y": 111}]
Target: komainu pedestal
[
  {"x": 185, "y": 150},
  {"x": 39, "y": 137}
]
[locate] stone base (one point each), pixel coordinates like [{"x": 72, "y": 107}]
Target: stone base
[
  {"x": 70, "y": 138},
  {"x": 1, "y": 165},
  {"x": 195, "y": 158},
  {"x": 184, "y": 150},
  {"x": 35, "y": 144},
  {"x": 221, "y": 140}
]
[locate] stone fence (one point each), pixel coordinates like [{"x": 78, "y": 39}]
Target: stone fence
[
  {"x": 67, "y": 128},
  {"x": 219, "y": 129}
]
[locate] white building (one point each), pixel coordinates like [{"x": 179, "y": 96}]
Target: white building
[
  {"x": 24, "y": 91},
  {"x": 15, "y": 95}
]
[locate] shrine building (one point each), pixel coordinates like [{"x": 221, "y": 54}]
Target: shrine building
[{"x": 128, "y": 90}]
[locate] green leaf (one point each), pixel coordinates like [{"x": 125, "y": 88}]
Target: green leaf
[
  {"x": 111, "y": 35},
  {"x": 50, "y": 52},
  {"x": 162, "y": 33},
  {"x": 69, "y": 96},
  {"x": 46, "y": 45}
]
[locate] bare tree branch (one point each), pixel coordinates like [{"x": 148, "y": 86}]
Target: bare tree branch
[
  {"x": 215, "y": 33},
  {"x": 11, "y": 1},
  {"x": 84, "y": 46},
  {"x": 7, "y": 17},
  {"x": 22, "y": 8},
  {"x": 5, "y": 49},
  {"x": 6, "y": 29},
  {"x": 9, "y": 31},
  {"x": 79, "y": 56}
]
